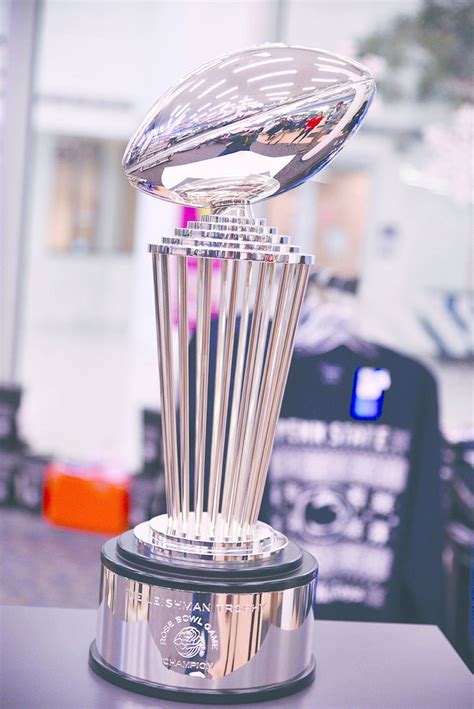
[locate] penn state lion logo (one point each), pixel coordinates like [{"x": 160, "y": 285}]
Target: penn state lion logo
[{"x": 190, "y": 642}]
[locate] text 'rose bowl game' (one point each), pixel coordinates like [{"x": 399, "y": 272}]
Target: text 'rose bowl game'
[{"x": 206, "y": 603}]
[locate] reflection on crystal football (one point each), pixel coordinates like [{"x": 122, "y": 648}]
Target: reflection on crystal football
[{"x": 248, "y": 125}]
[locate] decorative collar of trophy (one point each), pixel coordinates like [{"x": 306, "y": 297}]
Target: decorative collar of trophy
[{"x": 250, "y": 125}]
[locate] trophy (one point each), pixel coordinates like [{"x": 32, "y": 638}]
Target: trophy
[{"x": 206, "y": 603}]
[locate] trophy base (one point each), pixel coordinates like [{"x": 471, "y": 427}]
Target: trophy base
[
  {"x": 200, "y": 696},
  {"x": 220, "y": 633}
]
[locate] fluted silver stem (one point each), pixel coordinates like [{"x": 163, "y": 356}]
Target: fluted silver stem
[
  {"x": 225, "y": 347},
  {"x": 260, "y": 287}
]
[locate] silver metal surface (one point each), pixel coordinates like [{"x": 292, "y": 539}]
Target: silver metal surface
[
  {"x": 273, "y": 362},
  {"x": 281, "y": 368},
  {"x": 184, "y": 388},
  {"x": 165, "y": 378},
  {"x": 249, "y": 125},
  {"x": 214, "y": 640},
  {"x": 251, "y": 389},
  {"x": 231, "y": 481},
  {"x": 203, "y": 329}
]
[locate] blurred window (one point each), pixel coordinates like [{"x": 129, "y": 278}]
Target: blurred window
[
  {"x": 92, "y": 208},
  {"x": 282, "y": 212},
  {"x": 342, "y": 211}
]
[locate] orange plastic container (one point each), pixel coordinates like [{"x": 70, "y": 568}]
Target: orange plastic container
[{"x": 89, "y": 497}]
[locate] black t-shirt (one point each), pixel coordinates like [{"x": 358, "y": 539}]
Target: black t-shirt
[{"x": 362, "y": 494}]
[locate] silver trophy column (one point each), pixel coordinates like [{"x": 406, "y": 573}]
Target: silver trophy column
[
  {"x": 261, "y": 281},
  {"x": 206, "y": 603}
]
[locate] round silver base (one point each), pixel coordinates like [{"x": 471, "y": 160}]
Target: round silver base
[
  {"x": 203, "y": 639},
  {"x": 199, "y": 696}
]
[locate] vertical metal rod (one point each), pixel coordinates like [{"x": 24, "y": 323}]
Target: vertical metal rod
[
  {"x": 302, "y": 273},
  {"x": 165, "y": 366},
  {"x": 164, "y": 301},
  {"x": 203, "y": 326},
  {"x": 246, "y": 388},
  {"x": 247, "y": 453},
  {"x": 221, "y": 331},
  {"x": 230, "y": 479},
  {"x": 219, "y": 425},
  {"x": 183, "y": 339},
  {"x": 167, "y": 465},
  {"x": 273, "y": 363}
]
